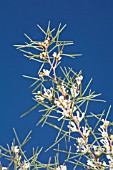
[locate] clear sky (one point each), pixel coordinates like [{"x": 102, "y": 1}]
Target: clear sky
[{"x": 89, "y": 25}]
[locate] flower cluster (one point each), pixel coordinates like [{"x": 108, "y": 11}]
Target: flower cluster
[{"x": 63, "y": 98}]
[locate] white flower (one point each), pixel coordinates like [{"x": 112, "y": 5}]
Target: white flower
[
  {"x": 73, "y": 127},
  {"x": 43, "y": 55},
  {"x": 79, "y": 80},
  {"x": 48, "y": 93},
  {"x": 62, "y": 167},
  {"x": 44, "y": 44},
  {"x": 90, "y": 163},
  {"x": 85, "y": 131},
  {"x": 61, "y": 102},
  {"x": 39, "y": 96},
  {"x": 103, "y": 132},
  {"x": 80, "y": 141},
  {"x": 54, "y": 54},
  {"x": 25, "y": 166},
  {"x": 81, "y": 145},
  {"x": 78, "y": 118},
  {"x": 84, "y": 148},
  {"x": 96, "y": 164},
  {"x": 66, "y": 105},
  {"x": 97, "y": 150},
  {"x": 57, "y": 56},
  {"x": 105, "y": 123},
  {"x": 63, "y": 90},
  {"x": 15, "y": 149},
  {"x": 106, "y": 144},
  {"x": 74, "y": 91},
  {"x": 44, "y": 73},
  {"x": 64, "y": 112},
  {"x": 47, "y": 41}
]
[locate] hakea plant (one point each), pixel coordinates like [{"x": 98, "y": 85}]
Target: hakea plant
[{"x": 66, "y": 102}]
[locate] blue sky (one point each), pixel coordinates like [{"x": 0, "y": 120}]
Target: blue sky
[{"x": 89, "y": 25}]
